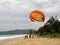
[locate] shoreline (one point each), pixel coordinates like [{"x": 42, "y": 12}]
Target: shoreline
[
  {"x": 30, "y": 41},
  {"x": 11, "y": 37}
]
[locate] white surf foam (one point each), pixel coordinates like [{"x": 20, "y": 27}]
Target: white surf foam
[{"x": 9, "y": 37}]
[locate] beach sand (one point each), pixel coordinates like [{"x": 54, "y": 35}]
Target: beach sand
[{"x": 31, "y": 41}]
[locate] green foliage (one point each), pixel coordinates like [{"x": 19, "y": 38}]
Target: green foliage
[{"x": 52, "y": 26}]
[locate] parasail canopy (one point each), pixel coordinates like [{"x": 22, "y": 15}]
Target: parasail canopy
[{"x": 37, "y": 15}]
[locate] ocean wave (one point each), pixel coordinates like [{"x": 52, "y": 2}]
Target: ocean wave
[{"x": 11, "y": 36}]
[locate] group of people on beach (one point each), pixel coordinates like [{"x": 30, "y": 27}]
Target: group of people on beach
[{"x": 30, "y": 35}]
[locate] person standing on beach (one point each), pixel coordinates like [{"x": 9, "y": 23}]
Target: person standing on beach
[{"x": 30, "y": 33}]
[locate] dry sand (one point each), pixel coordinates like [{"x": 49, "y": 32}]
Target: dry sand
[{"x": 31, "y": 41}]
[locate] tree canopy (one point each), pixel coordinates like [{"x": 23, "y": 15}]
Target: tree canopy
[{"x": 52, "y": 26}]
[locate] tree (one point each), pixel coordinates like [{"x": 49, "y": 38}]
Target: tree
[{"x": 52, "y": 26}]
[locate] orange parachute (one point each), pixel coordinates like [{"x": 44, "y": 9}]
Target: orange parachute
[{"x": 37, "y": 16}]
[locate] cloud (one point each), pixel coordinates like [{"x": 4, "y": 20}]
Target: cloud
[
  {"x": 55, "y": 9},
  {"x": 38, "y": 1},
  {"x": 14, "y": 14}
]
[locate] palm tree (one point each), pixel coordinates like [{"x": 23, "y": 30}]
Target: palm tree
[{"x": 54, "y": 24}]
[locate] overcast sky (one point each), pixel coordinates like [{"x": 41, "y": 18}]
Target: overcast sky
[{"x": 14, "y": 14}]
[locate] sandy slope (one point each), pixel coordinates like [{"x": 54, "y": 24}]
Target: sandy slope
[{"x": 32, "y": 41}]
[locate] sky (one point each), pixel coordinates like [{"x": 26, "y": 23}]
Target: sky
[{"x": 14, "y": 14}]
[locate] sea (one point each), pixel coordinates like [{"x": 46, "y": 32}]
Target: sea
[
  {"x": 4, "y": 37},
  {"x": 13, "y": 34}
]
